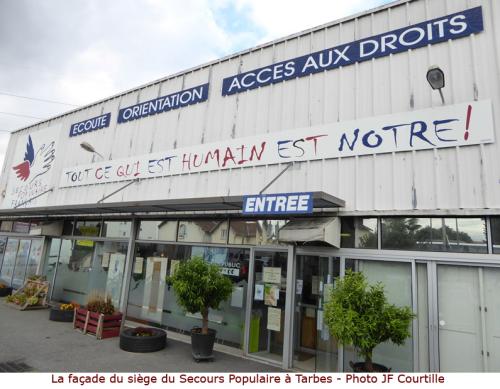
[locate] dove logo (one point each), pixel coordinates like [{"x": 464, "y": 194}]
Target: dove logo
[{"x": 35, "y": 164}]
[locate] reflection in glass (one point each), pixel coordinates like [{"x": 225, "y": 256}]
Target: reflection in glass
[
  {"x": 116, "y": 229},
  {"x": 21, "y": 262},
  {"x": 87, "y": 228},
  {"x": 106, "y": 274},
  {"x": 35, "y": 257},
  {"x": 396, "y": 278},
  {"x": 158, "y": 230},
  {"x": 314, "y": 348},
  {"x": 9, "y": 260},
  {"x": 203, "y": 231},
  {"x": 73, "y": 271},
  {"x": 495, "y": 234},
  {"x": 152, "y": 300},
  {"x": 50, "y": 264},
  {"x": 3, "y": 243},
  {"x": 358, "y": 232},
  {"x": 266, "y": 330},
  {"x": 21, "y": 227},
  {"x": 6, "y": 226},
  {"x": 435, "y": 234}
]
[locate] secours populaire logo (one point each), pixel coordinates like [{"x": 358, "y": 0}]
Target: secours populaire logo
[
  {"x": 31, "y": 176},
  {"x": 35, "y": 164}
]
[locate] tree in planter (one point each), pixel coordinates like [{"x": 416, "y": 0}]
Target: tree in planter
[
  {"x": 358, "y": 314},
  {"x": 200, "y": 286}
]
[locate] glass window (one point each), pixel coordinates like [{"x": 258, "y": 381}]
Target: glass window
[
  {"x": 21, "y": 227},
  {"x": 3, "y": 242},
  {"x": 495, "y": 234},
  {"x": 116, "y": 229},
  {"x": 21, "y": 263},
  {"x": 68, "y": 227},
  {"x": 158, "y": 230},
  {"x": 202, "y": 231},
  {"x": 107, "y": 270},
  {"x": 471, "y": 235},
  {"x": 151, "y": 299},
  {"x": 87, "y": 228},
  {"x": 51, "y": 261},
  {"x": 358, "y": 232},
  {"x": 255, "y": 232},
  {"x": 35, "y": 257},
  {"x": 6, "y": 226},
  {"x": 73, "y": 271},
  {"x": 465, "y": 235},
  {"x": 9, "y": 260},
  {"x": 396, "y": 279}
]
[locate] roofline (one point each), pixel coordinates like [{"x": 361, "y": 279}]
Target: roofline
[{"x": 223, "y": 59}]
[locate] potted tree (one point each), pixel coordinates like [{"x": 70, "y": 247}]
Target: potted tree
[
  {"x": 200, "y": 286},
  {"x": 358, "y": 314}
]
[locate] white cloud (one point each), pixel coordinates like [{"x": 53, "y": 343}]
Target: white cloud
[{"x": 279, "y": 18}]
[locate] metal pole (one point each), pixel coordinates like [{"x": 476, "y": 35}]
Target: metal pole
[{"x": 290, "y": 164}]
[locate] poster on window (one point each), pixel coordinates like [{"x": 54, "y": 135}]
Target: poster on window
[
  {"x": 115, "y": 277},
  {"x": 271, "y": 275},
  {"x": 154, "y": 288},
  {"x": 271, "y": 294},
  {"x": 273, "y": 319}
]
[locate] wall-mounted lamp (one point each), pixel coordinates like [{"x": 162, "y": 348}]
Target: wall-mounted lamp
[
  {"x": 88, "y": 147},
  {"x": 435, "y": 77}
]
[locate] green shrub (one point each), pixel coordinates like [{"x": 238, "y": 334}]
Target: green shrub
[
  {"x": 200, "y": 286},
  {"x": 358, "y": 314}
]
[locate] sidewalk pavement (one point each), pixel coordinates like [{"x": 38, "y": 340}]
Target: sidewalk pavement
[{"x": 30, "y": 342}]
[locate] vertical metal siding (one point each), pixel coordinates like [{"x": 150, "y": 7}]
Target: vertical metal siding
[{"x": 453, "y": 178}]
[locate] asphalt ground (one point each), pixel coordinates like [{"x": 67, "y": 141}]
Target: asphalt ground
[{"x": 30, "y": 342}]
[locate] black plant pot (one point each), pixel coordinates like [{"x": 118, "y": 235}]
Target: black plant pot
[
  {"x": 202, "y": 344},
  {"x": 359, "y": 367},
  {"x": 57, "y": 314},
  {"x": 4, "y": 292},
  {"x": 143, "y": 344}
]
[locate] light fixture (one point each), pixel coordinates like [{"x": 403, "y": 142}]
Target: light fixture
[
  {"x": 435, "y": 77},
  {"x": 88, "y": 147}
]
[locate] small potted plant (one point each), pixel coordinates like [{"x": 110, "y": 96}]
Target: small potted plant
[
  {"x": 5, "y": 290},
  {"x": 143, "y": 339},
  {"x": 200, "y": 286},
  {"x": 99, "y": 317},
  {"x": 63, "y": 312},
  {"x": 358, "y": 314}
]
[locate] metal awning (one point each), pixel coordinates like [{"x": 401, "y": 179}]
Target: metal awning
[{"x": 227, "y": 203}]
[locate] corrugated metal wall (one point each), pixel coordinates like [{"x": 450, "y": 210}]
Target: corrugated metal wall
[{"x": 442, "y": 179}]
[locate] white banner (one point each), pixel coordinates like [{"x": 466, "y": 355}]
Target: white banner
[
  {"x": 447, "y": 126},
  {"x": 31, "y": 172}
]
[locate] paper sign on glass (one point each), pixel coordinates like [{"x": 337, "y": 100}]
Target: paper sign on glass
[
  {"x": 271, "y": 294},
  {"x": 259, "y": 292},
  {"x": 271, "y": 275},
  {"x": 273, "y": 319},
  {"x": 138, "y": 265}
]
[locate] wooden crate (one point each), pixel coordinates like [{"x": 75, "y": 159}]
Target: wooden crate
[
  {"x": 42, "y": 288},
  {"x": 97, "y": 324}
]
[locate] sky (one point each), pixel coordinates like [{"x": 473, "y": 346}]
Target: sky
[{"x": 56, "y": 55}]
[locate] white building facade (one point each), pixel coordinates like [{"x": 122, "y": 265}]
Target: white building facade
[{"x": 406, "y": 184}]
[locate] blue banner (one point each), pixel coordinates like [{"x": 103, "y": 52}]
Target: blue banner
[
  {"x": 448, "y": 27},
  {"x": 90, "y": 125},
  {"x": 163, "y": 104},
  {"x": 278, "y": 204}
]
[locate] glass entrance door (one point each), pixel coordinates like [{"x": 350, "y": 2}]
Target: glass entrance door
[
  {"x": 266, "y": 330},
  {"x": 313, "y": 347}
]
